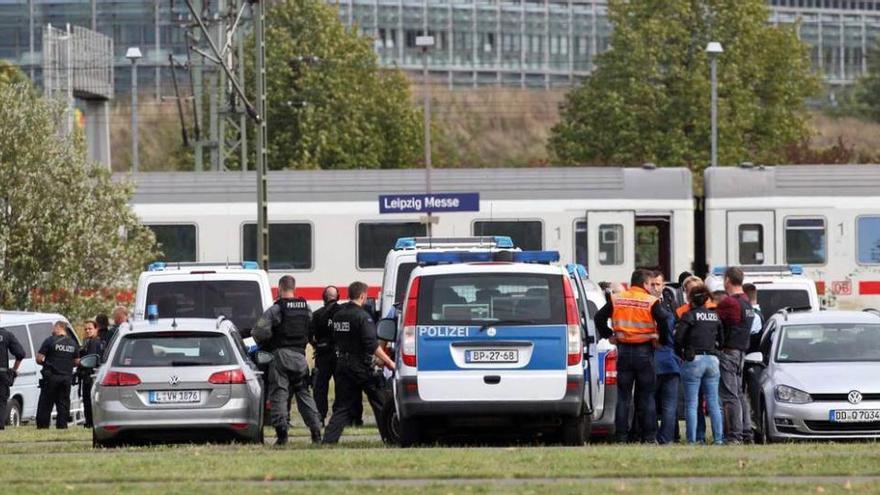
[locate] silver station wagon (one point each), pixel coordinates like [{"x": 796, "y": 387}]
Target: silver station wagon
[{"x": 187, "y": 379}]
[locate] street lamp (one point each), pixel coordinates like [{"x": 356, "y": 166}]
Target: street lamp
[
  {"x": 714, "y": 49},
  {"x": 133, "y": 54},
  {"x": 425, "y": 42}
]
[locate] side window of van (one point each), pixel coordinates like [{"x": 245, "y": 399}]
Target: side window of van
[
  {"x": 39, "y": 333},
  {"x": 20, "y": 333}
]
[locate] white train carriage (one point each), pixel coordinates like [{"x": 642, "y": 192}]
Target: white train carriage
[
  {"x": 325, "y": 226},
  {"x": 825, "y": 218}
]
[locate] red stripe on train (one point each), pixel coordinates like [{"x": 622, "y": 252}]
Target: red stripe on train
[
  {"x": 316, "y": 293},
  {"x": 869, "y": 288}
]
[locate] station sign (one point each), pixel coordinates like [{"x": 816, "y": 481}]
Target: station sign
[{"x": 429, "y": 203}]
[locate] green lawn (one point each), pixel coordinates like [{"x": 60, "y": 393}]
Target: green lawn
[{"x": 361, "y": 464}]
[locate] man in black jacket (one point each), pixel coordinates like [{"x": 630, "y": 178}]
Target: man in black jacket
[
  {"x": 9, "y": 344},
  {"x": 59, "y": 355},
  {"x": 92, "y": 345},
  {"x": 325, "y": 349}
]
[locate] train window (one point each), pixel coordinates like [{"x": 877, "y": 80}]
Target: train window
[
  {"x": 376, "y": 239},
  {"x": 868, "y": 231},
  {"x": 290, "y": 245},
  {"x": 751, "y": 244},
  {"x": 580, "y": 243},
  {"x": 805, "y": 241},
  {"x": 611, "y": 244},
  {"x": 527, "y": 235},
  {"x": 177, "y": 242}
]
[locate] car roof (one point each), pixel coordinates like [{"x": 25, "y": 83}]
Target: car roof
[
  {"x": 23, "y": 317},
  {"x": 835, "y": 316},
  {"x": 180, "y": 325},
  {"x": 490, "y": 267}
]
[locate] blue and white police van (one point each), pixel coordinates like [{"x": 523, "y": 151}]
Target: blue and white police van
[{"x": 490, "y": 338}]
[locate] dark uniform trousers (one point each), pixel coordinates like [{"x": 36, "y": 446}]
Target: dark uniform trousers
[
  {"x": 325, "y": 364},
  {"x": 5, "y": 383},
  {"x": 54, "y": 391},
  {"x": 352, "y": 377},
  {"x": 86, "y": 382},
  {"x": 289, "y": 372}
]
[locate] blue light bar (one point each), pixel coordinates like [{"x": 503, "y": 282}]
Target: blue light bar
[
  {"x": 492, "y": 242},
  {"x": 250, "y": 265},
  {"x": 582, "y": 270},
  {"x": 719, "y": 270},
  {"x": 405, "y": 242},
  {"x": 435, "y": 258},
  {"x": 536, "y": 256},
  {"x": 156, "y": 266},
  {"x": 796, "y": 269},
  {"x": 764, "y": 270},
  {"x": 503, "y": 242}
]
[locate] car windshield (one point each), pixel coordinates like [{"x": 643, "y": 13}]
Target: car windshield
[
  {"x": 173, "y": 349},
  {"x": 238, "y": 300},
  {"x": 772, "y": 300},
  {"x": 829, "y": 343},
  {"x": 479, "y": 298}
]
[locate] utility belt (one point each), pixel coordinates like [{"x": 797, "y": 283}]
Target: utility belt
[
  {"x": 641, "y": 338},
  {"x": 353, "y": 357}
]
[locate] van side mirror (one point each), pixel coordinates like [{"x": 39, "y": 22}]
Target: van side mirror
[
  {"x": 387, "y": 329},
  {"x": 89, "y": 362},
  {"x": 262, "y": 358},
  {"x": 755, "y": 358}
]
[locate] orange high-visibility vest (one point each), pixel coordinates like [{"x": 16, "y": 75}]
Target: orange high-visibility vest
[{"x": 631, "y": 317}]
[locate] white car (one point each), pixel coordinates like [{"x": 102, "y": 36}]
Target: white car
[
  {"x": 240, "y": 292},
  {"x": 817, "y": 376},
  {"x": 31, "y": 329}
]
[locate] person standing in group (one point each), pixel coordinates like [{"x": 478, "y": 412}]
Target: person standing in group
[
  {"x": 91, "y": 345},
  {"x": 356, "y": 345},
  {"x": 325, "y": 349},
  {"x": 59, "y": 355},
  {"x": 668, "y": 368},
  {"x": 9, "y": 344},
  {"x": 686, "y": 286},
  {"x": 637, "y": 318},
  {"x": 283, "y": 330},
  {"x": 120, "y": 318},
  {"x": 736, "y": 315},
  {"x": 103, "y": 328},
  {"x": 697, "y": 337},
  {"x": 758, "y": 323}
]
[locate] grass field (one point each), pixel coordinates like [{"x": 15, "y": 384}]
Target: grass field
[{"x": 361, "y": 464}]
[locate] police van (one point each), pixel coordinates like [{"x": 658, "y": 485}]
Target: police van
[
  {"x": 31, "y": 329},
  {"x": 779, "y": 287},
  {"x": 400, "y": 261},
  {"x": 490, "y": 338},
  {"x": 240, "y": 292}
]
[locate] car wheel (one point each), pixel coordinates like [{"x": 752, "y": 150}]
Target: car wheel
[
  {"x": 13, "y": 413},
  {"x": 410, "y": 432},
  {"x": 765, "y": 437},
  {"x": 102, "y": 444},
  {"x": 574, "y": 431}
]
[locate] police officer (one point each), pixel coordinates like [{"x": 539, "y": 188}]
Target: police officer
[
  {"x": 356, "y": 344},
  {"x": 92, "y": 345},
  {"x": 736, "y": 315},
  {"x": 58, "y": 355},
  {"x": 8, "y": 345},
  {"x": 640, "y": 323},
  {"x": 325, "y": 349},
  {"x": 103, "y": 328},
  {"x": 283, "y": 330}
]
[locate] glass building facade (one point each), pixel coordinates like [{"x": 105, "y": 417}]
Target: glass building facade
[{"x": 530, "y": 43}]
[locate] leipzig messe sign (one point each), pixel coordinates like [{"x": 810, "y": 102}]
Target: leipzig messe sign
[{"x": 429, "y": 203}]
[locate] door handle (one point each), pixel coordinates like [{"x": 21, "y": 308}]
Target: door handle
[{"x": 491, "y": 379}]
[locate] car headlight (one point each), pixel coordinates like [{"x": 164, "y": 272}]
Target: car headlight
[{"x": 792, "y": 395}]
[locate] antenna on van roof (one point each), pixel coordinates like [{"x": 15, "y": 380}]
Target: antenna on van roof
[{"x": 174, "y": 323}]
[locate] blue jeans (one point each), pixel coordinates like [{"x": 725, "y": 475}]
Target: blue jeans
[
  {"x": 667, "y": 404},
  {"x": 702, "y": 373},
  {"x": 635, "y": 364}
]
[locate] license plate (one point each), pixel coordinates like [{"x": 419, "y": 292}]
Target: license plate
[
  {"x": 854, "y": 415},
  {"x": 175, "y": 396},
  {"x": 491, "y": 356}
]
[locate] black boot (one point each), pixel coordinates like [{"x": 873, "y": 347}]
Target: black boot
[
  {"x": 316, "y": 436},
  {"x": 281, "y": 433}
]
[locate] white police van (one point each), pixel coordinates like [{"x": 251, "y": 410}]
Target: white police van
[
  {"x": 490, "y": 339},
  {"x": 779, "y": 287},
  {"x": 401, "y": 261},
  {"x": 240, "y": 292}
]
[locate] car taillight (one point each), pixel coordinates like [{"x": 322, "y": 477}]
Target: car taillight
[
  {"x": 410, "y": 317},
  {"x": 611, "y": 367},
  {"x": 228, "y": 377},
  {"x": 573, "y": 325},
  {"x": 120, "y": 379}
]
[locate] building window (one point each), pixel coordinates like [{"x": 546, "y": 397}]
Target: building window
[
  {"x": 176, "y": 242},
  {"x": 868, "y": 232},
  {"x": 611, "y": 244},
  {"x": 805, "y": 241},
  {"x": 751, "y": 244},
  {"x": 581, "y": 255},
  {"x": 290, "y": 245},
  {"x": 527, "y": 235},
  {"x": 376, "y": 239}
]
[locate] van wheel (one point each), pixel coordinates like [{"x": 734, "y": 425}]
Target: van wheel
[
  {"x": 574, "y": 431},
  {"x": 13, "y": 413},
  {"x": 410, "y": 432},
  {"x": 389, "y": 425}
]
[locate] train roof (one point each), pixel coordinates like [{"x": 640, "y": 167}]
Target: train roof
[
  {"x": 792, "y": 180},
  {"x": 366, "y": 185}
]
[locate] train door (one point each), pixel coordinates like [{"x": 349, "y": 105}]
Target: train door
[
  {"x": 611, "y": 245},
  {"x": 652, "y": 244},
  {"x": 751, "y": 238}
]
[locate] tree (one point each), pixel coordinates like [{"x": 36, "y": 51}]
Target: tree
[
  {"x": 68, "y": 237},
  {"x": 329, "y": 103},
  {"x": 868, "y": 87},
  {"x": 649, "y": 98}
]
